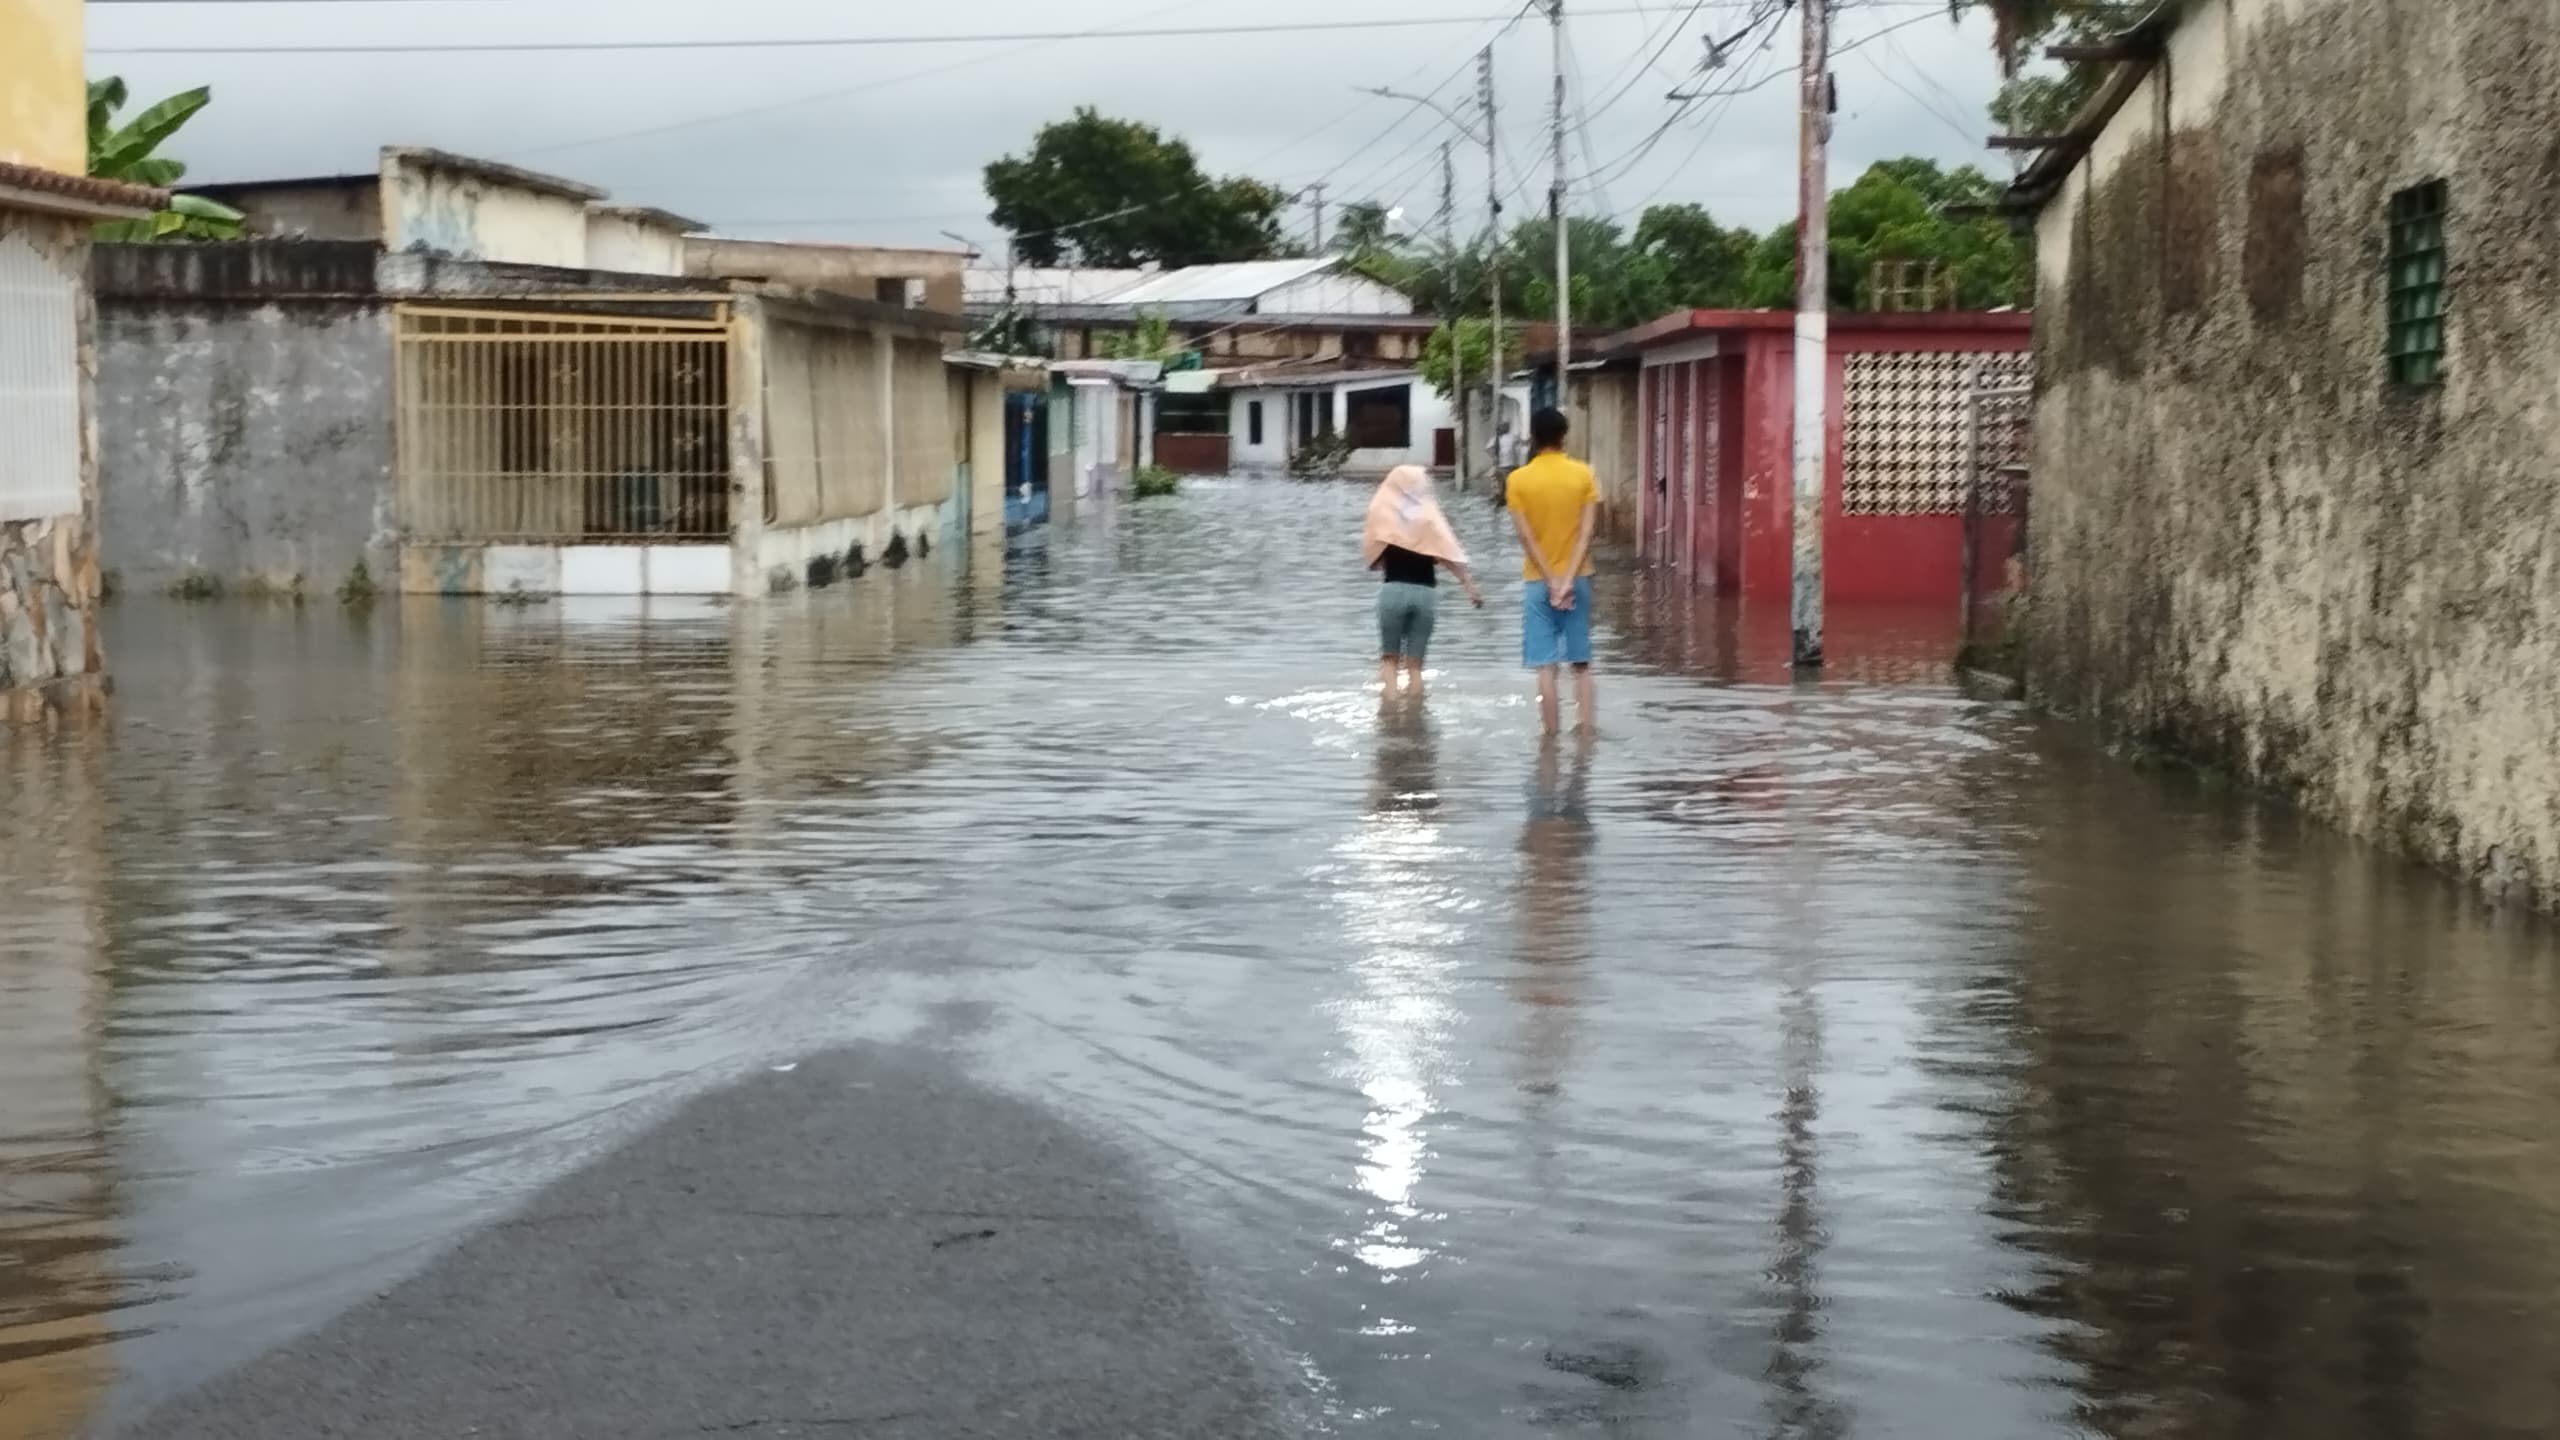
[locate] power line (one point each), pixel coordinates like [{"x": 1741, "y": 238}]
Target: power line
[
  {"x": 473, "y": 47},
  {"x": 722, "y": 117}
]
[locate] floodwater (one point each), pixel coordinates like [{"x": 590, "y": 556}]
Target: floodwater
[{"x": 1851, "y": 1060}]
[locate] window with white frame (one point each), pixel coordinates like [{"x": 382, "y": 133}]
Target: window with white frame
[{"x": 39, "y": 384}]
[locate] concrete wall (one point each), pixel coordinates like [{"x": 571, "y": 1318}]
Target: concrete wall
[
  {"x": 324, "y": 211},
  {"x": 247, "y": 447},
  {"x": 49, "y": 577},
  {"x": 469, "y": 216},
  {"x": 43, "y": 97},
  {"x": 845, "y": 269},
  {"x": 2247, "y": 542},
  {"x": 984, "y": 391},
  {"x": 631, "y": 245}
]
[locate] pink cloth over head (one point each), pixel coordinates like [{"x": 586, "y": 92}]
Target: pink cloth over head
[{"x": 1406, "y": 514}]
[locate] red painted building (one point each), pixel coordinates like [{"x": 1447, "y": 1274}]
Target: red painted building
[{"x": 1715, "y": 477}]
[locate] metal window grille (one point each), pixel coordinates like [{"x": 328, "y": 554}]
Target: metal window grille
[
  {"x": 39, "y": 384},
  {"x": 564, "y": 429},
  {"x": 2415, "y": 339}
]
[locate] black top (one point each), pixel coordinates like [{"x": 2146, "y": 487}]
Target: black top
[{"x": 1397, "y": 565}]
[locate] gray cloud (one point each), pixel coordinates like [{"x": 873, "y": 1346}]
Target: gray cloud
[{"x": 886, "y": 143}]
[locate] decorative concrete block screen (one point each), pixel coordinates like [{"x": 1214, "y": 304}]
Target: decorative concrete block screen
[
  {"x": 1903, "y": 446},
  {"x": 39, "y": 383},
  {"x": 566, "y": 429}
]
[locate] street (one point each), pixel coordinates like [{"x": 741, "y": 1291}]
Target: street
[{"x": 1851, "y": 1059}]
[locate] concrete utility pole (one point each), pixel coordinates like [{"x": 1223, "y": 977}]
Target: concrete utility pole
[
  {"x": 1493, "y": 247},
  {"x": 1315, "y": 193},
  {"x": 1813, "y": 326},
  {"x": 1457, "y": 351},
  {"x": 1555, "y": 211}
]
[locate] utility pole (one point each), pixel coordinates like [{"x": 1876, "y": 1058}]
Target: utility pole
[
  {"x": 1457, "y": 350},
  {"x": 1316, "y": 194},
  {"x": 1813, "y": 326},
  {"x": 1555, "y": 212},
  {"x": 1493, "y": 248}
]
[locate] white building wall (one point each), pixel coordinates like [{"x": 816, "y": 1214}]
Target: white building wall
[
  {"x": 1430, "y": 415},
  {"x": 1274, "y": 447},
  {"x": 472, "y": 218},
  {"x": 632, "y": 246}
]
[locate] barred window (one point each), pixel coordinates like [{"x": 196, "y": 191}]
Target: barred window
[
  {"x": 2415, "y": 343},
  {"x": 39, "y": 384}
]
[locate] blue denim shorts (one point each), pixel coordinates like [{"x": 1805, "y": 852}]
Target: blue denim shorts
[
  {"x": 1549, "y": 636},
  {"x": 1406, "y": 613}
]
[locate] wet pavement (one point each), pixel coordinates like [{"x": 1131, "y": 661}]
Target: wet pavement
[{"x": 1849, "y": 1060}]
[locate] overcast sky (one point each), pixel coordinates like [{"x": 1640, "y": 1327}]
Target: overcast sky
[{"x": 885, "y": 143}]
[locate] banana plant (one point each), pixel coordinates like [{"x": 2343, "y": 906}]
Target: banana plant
[{"x": 130, "y": 152}]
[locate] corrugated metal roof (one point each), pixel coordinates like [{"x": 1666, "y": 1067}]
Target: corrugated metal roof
[{"x": 1215, "y": 284}]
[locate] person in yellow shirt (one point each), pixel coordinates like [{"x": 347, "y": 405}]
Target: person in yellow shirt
[{"x": 1554, "y": 503}]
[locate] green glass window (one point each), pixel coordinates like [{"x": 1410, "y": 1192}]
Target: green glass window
[{"x": 2415, "y": 344}]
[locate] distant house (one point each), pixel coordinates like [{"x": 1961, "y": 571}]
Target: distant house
[
  {"x": 1288, "y": 352},
  {"x": 425, "y": 379},
  {"x": 1252, "y": 312}
]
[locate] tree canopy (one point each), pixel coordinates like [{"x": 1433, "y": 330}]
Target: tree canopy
[
  {"x": 1679, "y": 256},
  {"x": 1098, "y": 191}
]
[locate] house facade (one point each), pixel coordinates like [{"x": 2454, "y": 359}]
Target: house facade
[
  {"x": 50, "y": 576},
  {"x": 2294, "y": 442},
  {"x": 1713, "y": 470},
  {"x": 1389, "y": 417},
  {"x": 326, "y": 410}
]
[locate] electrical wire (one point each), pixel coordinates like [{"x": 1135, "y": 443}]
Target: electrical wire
[
  {"x": 474, "y": 47},
  {"x": 722, "y": 117}
]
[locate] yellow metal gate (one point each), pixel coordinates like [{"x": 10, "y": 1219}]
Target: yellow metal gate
[{"x": 536, "y": 427}]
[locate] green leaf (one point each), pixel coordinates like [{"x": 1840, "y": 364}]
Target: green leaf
[
  {"x": 159, "y": 172},
  {"x": 143, "y": 135},
  {"x": 196, "y": 207}
]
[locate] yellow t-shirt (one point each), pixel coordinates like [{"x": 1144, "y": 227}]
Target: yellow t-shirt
[{"x": 1549, "y": 493}]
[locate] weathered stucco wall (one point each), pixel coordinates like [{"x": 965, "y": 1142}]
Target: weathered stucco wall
[
  {"x": 247, "y": 446},
  {"x": 469, "y": 217},
  {"x": 845, "y": 269},
  {"x": 2247, "y": 543},
  {"x": 632, "y": 246},
  {"x": 50, "y": 663}
]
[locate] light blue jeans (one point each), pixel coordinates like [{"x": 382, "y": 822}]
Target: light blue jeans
[{"x": 1406, "y": 613}]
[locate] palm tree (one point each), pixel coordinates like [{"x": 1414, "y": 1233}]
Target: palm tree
[{"x": 128, "y": 152}]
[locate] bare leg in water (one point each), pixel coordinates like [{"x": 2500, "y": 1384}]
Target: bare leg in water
[
  {"x": 1586, "y": 715},
  {"x": 1548, "y": 719},
  {"x": 1387, "y": 676},
  {"x": 1413, "y": 677}
]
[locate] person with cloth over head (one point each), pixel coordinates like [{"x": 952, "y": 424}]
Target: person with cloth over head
[{"x": 1407, "y": 540}]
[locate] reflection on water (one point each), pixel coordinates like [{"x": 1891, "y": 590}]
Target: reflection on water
[{"x": 1839, "y": 1060}]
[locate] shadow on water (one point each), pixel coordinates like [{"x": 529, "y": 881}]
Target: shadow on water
[{"x": 1835, "y": 1059}]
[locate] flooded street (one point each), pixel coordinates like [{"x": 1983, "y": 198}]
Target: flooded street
[{"x": 1852, "y": 1060}]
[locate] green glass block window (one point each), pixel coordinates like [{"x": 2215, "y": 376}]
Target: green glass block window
[{"x": 2416, "y": 342}]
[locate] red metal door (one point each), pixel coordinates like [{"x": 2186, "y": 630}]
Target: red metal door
[
  {"x": 1700, "y": 535},
  {"x": 1650, "y": 492}
]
